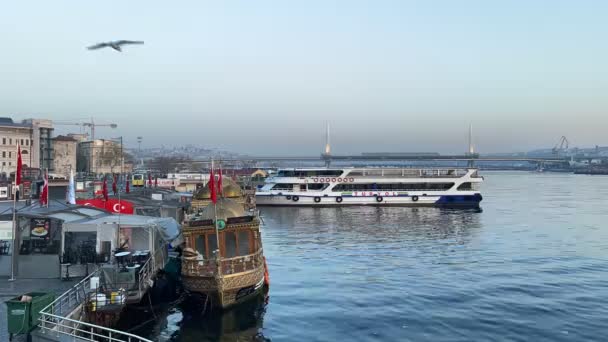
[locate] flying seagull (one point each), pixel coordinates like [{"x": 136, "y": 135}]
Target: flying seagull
[{"x": 116, "y": 45}]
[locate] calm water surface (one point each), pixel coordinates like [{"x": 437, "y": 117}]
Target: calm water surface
[{"x": 531, "y": 266}]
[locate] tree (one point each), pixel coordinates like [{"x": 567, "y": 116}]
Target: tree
[{"x": 165, "y": 165}]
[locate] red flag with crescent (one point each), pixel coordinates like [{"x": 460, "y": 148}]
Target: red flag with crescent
[{"x": 212, "y": 187}]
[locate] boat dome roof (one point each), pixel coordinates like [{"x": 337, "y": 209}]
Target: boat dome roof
[
  {"x": 226, "y": 208},
  {"x": 229, "y": 187}
]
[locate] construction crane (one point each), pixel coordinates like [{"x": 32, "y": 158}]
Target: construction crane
[
  {"x": 562, "y": 145},
  {"x": 91, "y": 124}
]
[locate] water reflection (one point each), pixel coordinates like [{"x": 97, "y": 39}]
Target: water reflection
[
  {"x": 241, "y": 323},
  {"x": 362, "y": 225}
]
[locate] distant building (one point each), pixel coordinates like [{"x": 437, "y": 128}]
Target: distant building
[
  {"x": 79, "y": 137},
  {"x": 11, "y": 135},
  {"x": 64, "y": 155},
  {"x": 99, "y": 156},
  {"x": 42, "y": 150}
]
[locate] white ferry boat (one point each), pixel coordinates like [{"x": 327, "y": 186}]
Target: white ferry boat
[{"x": 438, "y": 187}]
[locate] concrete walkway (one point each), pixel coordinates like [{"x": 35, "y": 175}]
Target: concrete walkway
[{"x": 12, "y": 289}]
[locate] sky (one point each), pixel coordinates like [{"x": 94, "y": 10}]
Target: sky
[{"x": 263, "y": 77}]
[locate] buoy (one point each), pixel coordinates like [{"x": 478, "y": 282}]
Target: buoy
[{"x": 266, "y": 276}]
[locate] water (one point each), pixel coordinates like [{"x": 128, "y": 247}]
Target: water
[{"x": 531, "y": 266}]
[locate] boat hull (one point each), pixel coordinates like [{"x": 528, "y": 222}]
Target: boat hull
[{"x": 226, "y": 291}]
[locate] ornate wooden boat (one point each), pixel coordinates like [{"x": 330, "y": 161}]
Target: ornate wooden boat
[{"x": 225, "y": 268}]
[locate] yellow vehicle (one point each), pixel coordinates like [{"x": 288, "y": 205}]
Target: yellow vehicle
[{"x": 138, "y": 180}]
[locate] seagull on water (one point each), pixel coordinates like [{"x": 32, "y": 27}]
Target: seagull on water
[{"x": 116, "y": 45}]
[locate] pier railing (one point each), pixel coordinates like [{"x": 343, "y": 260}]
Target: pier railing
[
  {"x": 63, "y": 316},
  {"x": 148, "y": 270}
]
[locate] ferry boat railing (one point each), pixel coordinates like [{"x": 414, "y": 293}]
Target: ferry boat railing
[{"x": 60, "y": 317}]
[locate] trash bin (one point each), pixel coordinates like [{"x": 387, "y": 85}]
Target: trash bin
[{"x": 22, "y": 312}]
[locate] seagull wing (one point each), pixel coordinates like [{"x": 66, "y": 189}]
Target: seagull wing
[
  {"x": 98, "y": 46},
  {"x": 122, "y": 42}
]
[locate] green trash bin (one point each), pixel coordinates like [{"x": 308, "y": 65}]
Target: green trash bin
[{"x": 23, "y": 316}]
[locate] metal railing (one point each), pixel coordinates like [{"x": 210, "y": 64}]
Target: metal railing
[
  {"x": 82, "y": 331},
  {"x": 58, "y": 317},
  {"x": 66, "y": 304},
  {"x": 208, "y": 267},
  {"x": 148, "y": 270}
]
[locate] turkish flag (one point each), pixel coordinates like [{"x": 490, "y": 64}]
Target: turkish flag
[
  {"x": 19, "y": 167},
  {"x": 211, "y": 185},
  {"x": 112, "y": 205},
  {"x": 44, "y": 195}
]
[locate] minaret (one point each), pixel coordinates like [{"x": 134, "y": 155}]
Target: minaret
[
  {"x": 471, "y": 152},
  {"x": 471, "y": 147},
  {"x": 327, "y": 153},
  {"x": 327, "y": 146}
]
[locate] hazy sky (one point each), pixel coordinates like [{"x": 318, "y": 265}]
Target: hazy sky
[{"x": 262, "y": 77}]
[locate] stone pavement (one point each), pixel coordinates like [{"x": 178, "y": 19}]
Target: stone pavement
[{"x": 11, "y": 289}]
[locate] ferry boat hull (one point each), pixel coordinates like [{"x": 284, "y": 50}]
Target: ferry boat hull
[
  {"x": 443, "y": 201},
  {"x": 447, "y": 188}
]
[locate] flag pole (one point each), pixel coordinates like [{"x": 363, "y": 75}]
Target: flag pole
[
  {"x": 46, "y": 175},
  {"x": 14, "y": 232},
  {"x": 217, "y": 231}
]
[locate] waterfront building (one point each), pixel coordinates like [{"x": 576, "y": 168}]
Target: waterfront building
[
  {"x": 99, "y": 156},
  {"x": 11, "y": 135},
  {"x": 64, "y": 155},
  {"x": 42, "y": 148}
]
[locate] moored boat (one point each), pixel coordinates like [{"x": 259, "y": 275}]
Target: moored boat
[
  {"x": 438, "y": 187},
  {"x": 223, "y": 260}
]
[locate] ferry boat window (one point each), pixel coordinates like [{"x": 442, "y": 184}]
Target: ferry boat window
[
  {"x": 200, "y": 245},
  {"x": 467, "y": 186},
  {"x": 286, "y": 173},
  {"x": 283, "y": 186},
  {"x": 392, "y": 186},
  {"x": 317, "y": 186},
  {"x": 309, "y": 173},
  {"x": 229, "y": 244},
  {"x": 244, "y": 242}
]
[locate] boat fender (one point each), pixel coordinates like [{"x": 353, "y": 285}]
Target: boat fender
[
  {"x": 317, "y": 199},
  {"x": 379, "y": 199},
  {"x": 415, "y": 198},
  {"x": 266, "y": 276},
  {"x": 295, "y": 198},
  {"x": 339, "y": 199},
  {"x": 288, "y": 197}
]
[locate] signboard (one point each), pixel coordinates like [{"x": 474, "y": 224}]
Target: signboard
[
  {"x": 6, "y": 230},
  {"x": 40, "y": 229},
  {"x": 3, "y": 192},
  {"x": 112, "y": 205},
  {"x": 167, "y": 183}
]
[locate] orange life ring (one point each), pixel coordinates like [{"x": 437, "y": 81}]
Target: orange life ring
[{"x": 266, "y": 276}]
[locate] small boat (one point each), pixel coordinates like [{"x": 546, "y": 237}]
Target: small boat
[
  {"x": 437, "y": 187},
  {"x": 223, "y": 260}
]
